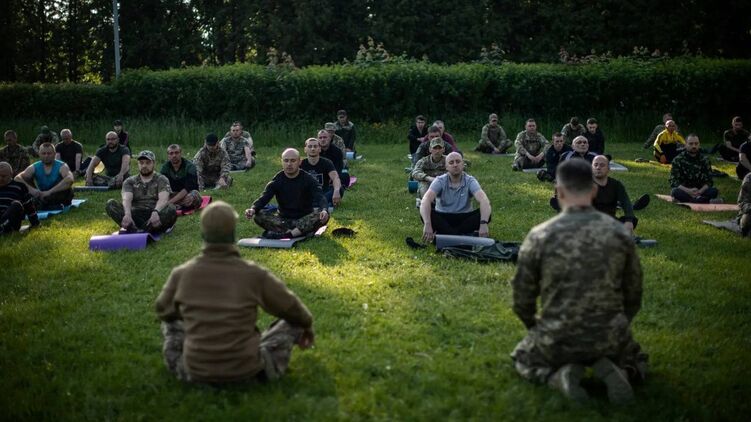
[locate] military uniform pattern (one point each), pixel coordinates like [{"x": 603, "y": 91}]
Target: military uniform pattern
[
  {"x": 272, "y": 221},
  {"x": 276, "y": 349},
  {"x": 691, "y": 172},
  {"x": 744, "y": 203},
  {"x": 100, "y": 179},
  {"x": 425, "y": 168},
  {"x": 527, "y": 143},
  {"x": 190, "y": 201},
  {"x": 211, "y": 166},
  {"x": 40, "y": 139},
  {"x": 141, "y": 216},
  {"x": 17, "y": 157},
  {"x": 493, "y": 137},
  {"x": 347, "y": 133},
  {"x": 570, "y": 132},
  {"x": 236, "y": 151},
  {"x": 584, "y": 267}
]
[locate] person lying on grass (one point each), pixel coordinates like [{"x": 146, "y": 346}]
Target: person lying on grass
[
  {"x": 584, "y": 267},
  {"x": 209, "y": 310},
  {"x": 453, "y": 214},
  {"x": 302, "y": 208}
]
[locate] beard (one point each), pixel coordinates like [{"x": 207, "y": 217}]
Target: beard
[{"x": 146, "y": 172}]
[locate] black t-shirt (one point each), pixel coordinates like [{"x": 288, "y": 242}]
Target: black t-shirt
[
  {"x": 610, "y": 196},
  {"x": 112, "y": 159},
  {"x": 68, "y": 153},
  {"x": 320, "y": 171},
  {"x": 334, "y": 154},
  {"x": 296, "y": 197},
  {"x": 414, "y": 136}
]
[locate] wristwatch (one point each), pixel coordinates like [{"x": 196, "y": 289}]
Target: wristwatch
[{"x": 483, "y": 222}]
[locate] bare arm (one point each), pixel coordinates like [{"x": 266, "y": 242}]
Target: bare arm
[
  {"x": 90, "y": 170},
  {"x": 65, "y": 183},
  {"x": 337, "y": 197},
  {"x": 26, "y": 177},
  {"x": 485, "y": 211},
  {"x": 425, "y": 208},
  {"x": 124, "y": 166}
]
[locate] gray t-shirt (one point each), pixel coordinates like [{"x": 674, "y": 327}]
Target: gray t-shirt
[{"x": 454, "y": 200}]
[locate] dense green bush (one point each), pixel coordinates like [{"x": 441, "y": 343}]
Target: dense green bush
[{"x": 690, "y": 88}]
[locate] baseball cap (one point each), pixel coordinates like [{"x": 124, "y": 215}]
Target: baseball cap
[
  {"x": 329, "y": 126},
  {"x": 146, "y": 154},
  {"x": 436, "y": 142},
  {"x": 211, "y": 139}
]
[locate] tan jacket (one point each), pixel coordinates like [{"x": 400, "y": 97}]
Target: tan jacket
[{"x": 217, "y": 295}]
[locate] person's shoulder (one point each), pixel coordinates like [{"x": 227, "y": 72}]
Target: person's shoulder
[
  {"x": 747, "y": 179},
  {"x": 161, "y": 178},
  {"x": 326, "y": 162},
  {"x": 102, "y": 150},
  {"x": 123, "y": 149},
  {"x": 164, "y": 169},
  {"x": 132, "y": 180}
]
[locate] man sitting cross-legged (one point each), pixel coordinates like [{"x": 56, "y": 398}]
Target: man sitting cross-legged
[
  {"x": 553, "y": 155},
  {"x": 70, "y": 152},
  {"x": 212, "y": 165},
  {"x": 453, "y": 193},
  {"x": 301, "y": 204},
  {"x": 239, "y": 146},
  {"x": 209, "y": 311},
  {"x": 611, "y": 194},
  {"x": 583, "y": 266},
  {"x": 424, "y": 149},
  {"x": 116, "y": 160},
  {"x": 323, "y": 170},
  {"x": 183, "y": 180},
  {"x": 744, "y": 205},
  {"x": 668, "y": 143},
  {"x": 493, "y": 138},
  {"x": 145, "y": 200},
  {"x": 530, "y": 147},
  {"x": 581, "y": 150},
  {"x": 430, "y": 167},
  {"x": 49, "y": 181},
  {"x": 15, "y": 202},
  {"x": 691, "y": 175}
]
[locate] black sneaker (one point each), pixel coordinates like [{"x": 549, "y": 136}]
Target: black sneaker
[
  {"x": 274, "y": 235},
  {"x": 554, "y": 204},
  {"x": 514, "y": 167},
  {"x": 642, "y": 202}
]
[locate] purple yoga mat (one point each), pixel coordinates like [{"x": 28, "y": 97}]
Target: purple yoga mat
[{"x": 117, "y": 240}]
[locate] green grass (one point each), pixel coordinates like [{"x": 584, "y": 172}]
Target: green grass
[{"x": 401, "y": 334}]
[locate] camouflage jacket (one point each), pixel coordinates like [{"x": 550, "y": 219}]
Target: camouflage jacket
[
  {"x": 744, "y": 196},
  {"x": 690, "y": 171},
  {"x": 236, "y": 148},
  {"x": 40, "y": 139},
  {"x": 339, "y": 143},
  {"x": 17, "y": 157},
  {"x": 211, "y": 164},
  {"x": 426, "y": 167},
  {"x": 534, "y": 144},
  {"x": 569, "y": 132},
  {"x": 584, "y": 267},
  {"x": 347, "y": 133},
  {"x": 492, "y": 137},
  {"x": 146, "y": 194}
]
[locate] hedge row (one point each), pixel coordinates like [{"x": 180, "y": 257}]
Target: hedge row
[{"x": 698, "y": 87}]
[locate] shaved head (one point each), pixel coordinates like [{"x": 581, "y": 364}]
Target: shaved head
[
  {"x": 6, "y": 173},
  {"x": 290, "y": 153}
]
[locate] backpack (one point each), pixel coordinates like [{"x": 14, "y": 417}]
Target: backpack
[{"x": 497, "y": 252}]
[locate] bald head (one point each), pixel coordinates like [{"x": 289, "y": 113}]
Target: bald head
[
  {"x": 291, "y": 162},
  {"x": 454, "y": 164},
  {"x": 6, "y": 173},
  {"x": 600, "y": 167},
  {"x": 218, "y": 222}
]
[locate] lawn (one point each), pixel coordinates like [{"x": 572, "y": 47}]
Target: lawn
[{"x": 401, "y": 334}]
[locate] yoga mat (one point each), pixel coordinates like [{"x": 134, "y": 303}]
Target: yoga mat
[
  {"x": 730, "y": 225},
  {"x": 205, "y": 200},
  {"x": 259, "y": 242},
  {"x": 90, "y": 188},
  {"x": 700, "y": 207},
  {"x": 444, "y": 240},
  {"x": 617, "y": 166},
  {"x": 43, "y": 215},
  {"x": 24, "y": 229},
  {"x": 352, "y": 181},
  {"x": 130, "y": 241},
  {"x": 534, "y": 170},
  {"x": 501, "y": 154}
]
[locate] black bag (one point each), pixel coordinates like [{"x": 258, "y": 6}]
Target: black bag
[{"x": 497, "y": 252}]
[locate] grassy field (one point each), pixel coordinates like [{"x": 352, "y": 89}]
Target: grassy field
[{"x": 401, "y": 334}]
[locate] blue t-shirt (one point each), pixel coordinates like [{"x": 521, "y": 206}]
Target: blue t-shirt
[
  {"x": 44, "y": 181},
  {"x": 454, "y": 200}
]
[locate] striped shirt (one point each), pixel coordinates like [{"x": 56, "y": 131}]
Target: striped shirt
[{"x": 16, "y": 191}]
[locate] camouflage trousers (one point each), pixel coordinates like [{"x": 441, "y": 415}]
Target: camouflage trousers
[
  {"x": 54, "y": 201},
  {"x": 190, "y": 201},
  {"x": 276, "y": 349},
  {"x": 272, "y": 221},
  {"x": 503, "y": 146},
  {"x": 536, "y": 362},
  {"x": 210, "y": 181},
  {"x": 524, "y": 162},
  {"x": 243, "y": 165},
  {"x": 103, "y": 180},
  {"x": 140, "y": 216}
]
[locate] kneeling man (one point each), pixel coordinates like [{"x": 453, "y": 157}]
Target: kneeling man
[
  {"x": 453, "y": 193},
  {"x": 302, "y": 207},
  {"x": 145, "y": 205},
  {"x": 209, "y": 310},
  {"x": 584, "y": 266}
]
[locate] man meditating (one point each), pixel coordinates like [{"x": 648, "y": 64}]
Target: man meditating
[
  {"x": 116, "y": 159},
  {"x": 15, "y": 202},
  {"x": 430, "y": 167},
  {"x": 611, "y": 194},
  {"x": 691, "y": 175},
  {"x": 209, "y": 311},
  {"x": 212, "y": 165},
  {"x": 301, "y": 204},
  {"x": 183, "y": 180},
  {"x": 48, "y": 180},
  {"x": 583, "y": 266},
  {"x": 453, "y": 192}
]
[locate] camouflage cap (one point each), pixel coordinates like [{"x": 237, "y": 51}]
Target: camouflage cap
[
  {"x": 211, "y": 139},
  {"x": 45, "y": 130},
  {"x": 146, "y": 154},
  {"x": 329, "y": 126},
  {"x": 436, "y": 142},
  {"x": 117, "y": 122},
  {"x": 218, "y": 222}
]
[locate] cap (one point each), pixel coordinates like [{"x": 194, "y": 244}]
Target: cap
[
  {"x": 218, "y": 222},
  {"x": 211, "y": 139},
  {"x": 341, "y": 113},
  {"x": 436, "y": 142},
  {"x": 329, "y": 126},
  {"x": 45, "y": 129},
  {"x": 117, "y": 122},
  {"x": 146, "y": 154}
]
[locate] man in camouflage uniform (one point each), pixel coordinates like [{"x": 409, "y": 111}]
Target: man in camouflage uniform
[
  {"x": 691, "y": 175},
  {"x": 213, "y": 165},
  {"x": 430, "y": 167},
  {"x": 733, "y": 138},
  {"x": 572, "y": 129},
  {"x": 336, "y": 140},
  {"x": 346, "y": 129},
  {"x": 209, "y": 311},
  {"x": 239, "y": 147},
  {"x": 744, "y": 203},
  {"x": 493, "y": 138},
  {"x": 584, "y": 265},
  {"x": 45, "y": 136},
  {"x": 530, "y": 148},
  {"x": 658, "y": 129},
  {"x": 302, "y": 208},
  {"x": 12, "y": 153},
  {"x": 145, "y": 200}
]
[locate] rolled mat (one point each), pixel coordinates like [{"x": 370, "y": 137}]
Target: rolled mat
[
  {"x": 260, "y": 242},
  {"x": 730, "y": 225},
  {"x": 90, "y": 188},
  {"x": 205, "y": 201},
  {"x": 444, "y": 240},
  {"x": 130, "y": 241},
  {"x": 700, "y": 207}
]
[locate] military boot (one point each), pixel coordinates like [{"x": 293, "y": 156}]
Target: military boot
[
  {"x": 619, "y": 389},
  {"x": 567, "y": 380}
]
